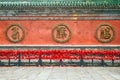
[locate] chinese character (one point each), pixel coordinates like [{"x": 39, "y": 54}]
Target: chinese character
[
  {"x": 61, "y": 32},
  {"x": 105, "y": 33},
  {"x": 15, "y": 33}
]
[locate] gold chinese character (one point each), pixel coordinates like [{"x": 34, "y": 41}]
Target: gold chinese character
[
  {"x": 105, "y": 33},
  {"x": 15, "y": 33},
  {"x": 61, "y": 32}
]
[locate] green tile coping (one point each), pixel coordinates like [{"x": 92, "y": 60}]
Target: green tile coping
[{"x": 59, "y": 3}]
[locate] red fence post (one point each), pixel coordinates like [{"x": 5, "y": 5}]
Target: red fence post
[
  {"x": 19, "y": 58},
  {"x": 40, "y": 59}
]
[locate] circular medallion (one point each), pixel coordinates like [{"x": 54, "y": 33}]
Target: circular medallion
[
  {"x": 61, "y": 33},
  {"x": 105, "y": 33},
  {"x": 15, "y": 33}
]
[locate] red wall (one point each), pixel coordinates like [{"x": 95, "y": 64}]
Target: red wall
[{"x": 39, "y": 32}]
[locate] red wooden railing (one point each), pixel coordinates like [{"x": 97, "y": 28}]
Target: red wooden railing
[{"x": 60, "y": 54}]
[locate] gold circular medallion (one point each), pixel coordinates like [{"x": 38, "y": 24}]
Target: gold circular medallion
[
  {"x": 61, "y": 33},
  {"x": 105, "y": 33},
  {"x": 15, "y": 33}
]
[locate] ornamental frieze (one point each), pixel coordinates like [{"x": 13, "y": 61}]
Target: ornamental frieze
[
  {"x": 61, "y": 33},
  {"x": 15, "y": 33},
  {"x": 105, "y": 33}
]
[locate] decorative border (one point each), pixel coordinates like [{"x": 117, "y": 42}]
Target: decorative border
[
  {"x": 70, "y": 33},
  {"x": 20, "y": 28},
  {"x": 105, "y": 24}
]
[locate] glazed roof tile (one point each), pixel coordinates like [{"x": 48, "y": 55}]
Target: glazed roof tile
[{"x": 12, "y": 4}]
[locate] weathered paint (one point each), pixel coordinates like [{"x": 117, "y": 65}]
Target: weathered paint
[{"x": 39, "y": 32}]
